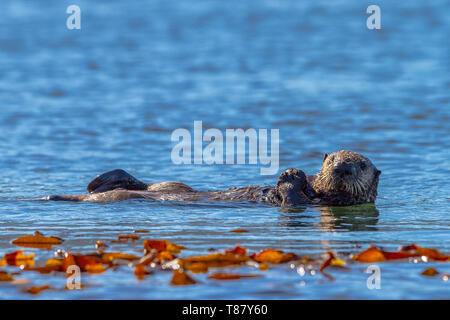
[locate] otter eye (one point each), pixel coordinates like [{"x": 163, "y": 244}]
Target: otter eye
[{"x": 363, "y": 165}]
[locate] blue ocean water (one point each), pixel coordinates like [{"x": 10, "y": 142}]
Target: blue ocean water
[{"x": 75, "y": 103}]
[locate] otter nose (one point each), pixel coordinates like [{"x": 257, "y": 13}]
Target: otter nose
[{"x": 343, "y": 170}]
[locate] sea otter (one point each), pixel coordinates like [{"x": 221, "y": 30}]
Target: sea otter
[{"x": 346, "y": 178}]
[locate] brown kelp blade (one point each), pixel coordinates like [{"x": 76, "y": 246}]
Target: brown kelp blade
[{"x": 37, "y": 241}]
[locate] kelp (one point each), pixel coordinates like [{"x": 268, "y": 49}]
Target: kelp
[
  {"x": 38, "y": 240},
  {"x": 374, "y": 254},
  {"x": 160, "y": 255}
]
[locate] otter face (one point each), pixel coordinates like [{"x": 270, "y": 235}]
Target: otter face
[{"x": 348, "y": 173}]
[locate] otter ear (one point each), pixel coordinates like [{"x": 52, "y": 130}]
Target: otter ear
[
  {"x": 377, "y": 173},
  {"x": 325, "y": 156}
]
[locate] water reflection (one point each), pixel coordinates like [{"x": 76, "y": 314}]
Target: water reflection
[{"x": 350, "y": 218}]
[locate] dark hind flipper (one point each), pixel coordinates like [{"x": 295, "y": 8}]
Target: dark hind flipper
[
  {"x": 293, "y": 188},
  {"x": 113, "y": 180}
]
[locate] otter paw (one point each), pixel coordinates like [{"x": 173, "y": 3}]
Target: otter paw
[
  {"x": 292, "y": 176},
  {"x": 290, "y": 188}
]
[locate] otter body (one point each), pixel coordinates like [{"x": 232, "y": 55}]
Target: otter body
[{"x": 346, "y": 178}]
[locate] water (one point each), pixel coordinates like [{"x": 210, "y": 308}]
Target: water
[{"x": 78, "y": 103}]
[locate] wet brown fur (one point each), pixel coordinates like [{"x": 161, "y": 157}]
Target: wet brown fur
[{"x": 346, "y": 178}]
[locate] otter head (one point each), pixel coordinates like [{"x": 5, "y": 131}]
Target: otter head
[{"x": 347, "y": 178}]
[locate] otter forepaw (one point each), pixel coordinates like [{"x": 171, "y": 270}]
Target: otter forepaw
[
  {"x": 292, "y": 186},
  {"x": 293, "y": 176}
]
